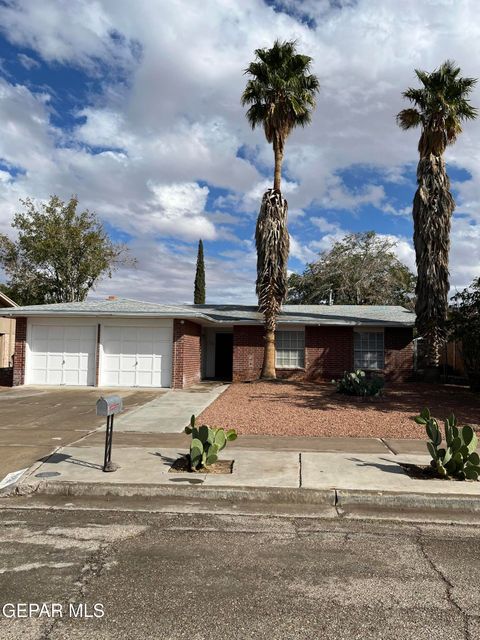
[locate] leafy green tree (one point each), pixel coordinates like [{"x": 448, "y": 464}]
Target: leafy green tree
[
  {"x": 199, "y": 289},
  {"x": 59, "y": 255},
  {"x": 362, "y": 268},
  {"x": 440, "y": 106},
  {"x": 464, "y": 326},
  {"x": 280, "y": 94}
]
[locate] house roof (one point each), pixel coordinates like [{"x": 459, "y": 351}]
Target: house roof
[
  {"x": 227, "y": 314},
  {"x": 5, "y": 301}
]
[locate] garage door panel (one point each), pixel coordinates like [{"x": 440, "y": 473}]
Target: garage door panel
[
  {"x": 53, "y": 377},
  {"x": 127, "y": 379},
  {"x": 112, "y": 347},
  {"x": 142, "y": 357},
  {"x": 62, "y": 354},
  {"x": 56, "y": 346},
  {"x": 111, "y": 363},
  {"x": 39, "y": 361}
]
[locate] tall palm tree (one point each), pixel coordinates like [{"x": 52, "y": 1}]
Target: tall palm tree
[
  {"x": 280, "y": 93},
  {"x": 440, "y": 106}
]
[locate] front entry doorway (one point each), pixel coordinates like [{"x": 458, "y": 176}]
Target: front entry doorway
[{"x": 223, "y": 356}]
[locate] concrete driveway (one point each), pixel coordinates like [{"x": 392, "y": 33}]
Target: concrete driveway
[{"x": 36, "y": 420}]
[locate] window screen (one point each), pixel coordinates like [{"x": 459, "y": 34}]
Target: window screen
[
  {"x": 290, "y": 349},
  {"x": 368, "y": 350}
]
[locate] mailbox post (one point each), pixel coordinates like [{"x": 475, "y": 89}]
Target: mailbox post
[{"x": 109, "y": 407}]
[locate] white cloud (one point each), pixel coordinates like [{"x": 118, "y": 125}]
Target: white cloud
[
  {"x": 323, "y": 224},
  {"x": 339, "y": 197},
  {"x": 170, "y": 112},
  {"x": 27, "y": 61},
  {"x": 178, "y": 209}
]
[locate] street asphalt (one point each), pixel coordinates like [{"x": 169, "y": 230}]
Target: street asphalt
[{"x": 222, "y": 576}]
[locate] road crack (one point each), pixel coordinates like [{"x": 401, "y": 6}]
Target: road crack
[
  {"x": 449, "y": 587},
  {"x": 92, "y": 568}
]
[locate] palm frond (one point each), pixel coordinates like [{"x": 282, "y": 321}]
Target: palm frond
[
  {"x": 409, "y": 119},
  {"x": 442, "y": 98},
  {"x": 281, "y": 90}
]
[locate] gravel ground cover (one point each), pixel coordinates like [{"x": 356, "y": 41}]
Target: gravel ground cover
[{"x": 287, "y": 408}]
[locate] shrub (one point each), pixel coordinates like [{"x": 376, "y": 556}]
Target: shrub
[
  {"x": 464, "y": 326},
  {"x": 206, "y": 444},
  {"x": 356, "y": 383},
  {"x": 459, "y": 458}
]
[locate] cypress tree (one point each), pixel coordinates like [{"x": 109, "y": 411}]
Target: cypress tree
[{"x": 199, "y": 291}]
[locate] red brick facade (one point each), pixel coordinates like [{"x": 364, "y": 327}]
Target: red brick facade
[
  {"x": 398, "y": 354},
  {"x": 248, "y": 344},
  {"x": 328, "y": 353},
  {"x": 19, "y": 355},
  {"x": 186, "y": 353}
]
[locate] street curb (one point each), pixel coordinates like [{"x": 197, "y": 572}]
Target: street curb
[
  {"x": 342, "y": 499},
  {"x": 351, "y": 498},
  {"x": 278, "y": 495}
]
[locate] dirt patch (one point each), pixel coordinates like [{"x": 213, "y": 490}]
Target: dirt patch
[
  {"x": 182, "y": 465},
  {"x": 286, "y": 408}
]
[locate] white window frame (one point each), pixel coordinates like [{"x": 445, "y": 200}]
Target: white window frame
[
  {"x": 291, "y": 354},
  {"x": 369, "y": 345}
]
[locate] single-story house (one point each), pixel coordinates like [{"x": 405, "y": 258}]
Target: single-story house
[
  {"x": 7, "y": 339},
  {"x": 126, "y": 343}
]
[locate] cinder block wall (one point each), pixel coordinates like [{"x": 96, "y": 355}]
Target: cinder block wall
[
  {"x": 19, "y": 354},
  {"x": 186, "y": 353}
]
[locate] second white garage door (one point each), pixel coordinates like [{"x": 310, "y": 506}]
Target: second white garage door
[{"x": 136, "y": 356}]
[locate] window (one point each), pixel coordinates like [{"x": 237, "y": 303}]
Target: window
[
  {"x": 290, "y": 349},
  {"x": 368, "y": 350}
]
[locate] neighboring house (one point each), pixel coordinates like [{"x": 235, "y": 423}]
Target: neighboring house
[
  {"x": 7, "y": 338},
  {"x": 125, "y": 343}
]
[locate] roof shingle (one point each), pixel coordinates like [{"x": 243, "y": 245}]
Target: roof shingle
[{"x": 219, "y": 313}]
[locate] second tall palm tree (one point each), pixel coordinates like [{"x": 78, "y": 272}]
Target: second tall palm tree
[
  {"x": 281, "y": 95},
  {"x": 440, "y": 106}
]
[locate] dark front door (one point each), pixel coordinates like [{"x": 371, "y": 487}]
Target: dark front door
[{"x": 223, "y": 355}]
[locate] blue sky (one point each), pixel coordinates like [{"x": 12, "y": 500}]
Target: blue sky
[{"x": 137, "y": 111}]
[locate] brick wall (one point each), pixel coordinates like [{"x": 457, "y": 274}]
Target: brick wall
[
  {"x": 248, "y": 342},
  {"x": 19, "y": 354},
  {"x": 328, "y": 352},
  {"x": 186, "y": 353},
  {"x": 398, "y": 354}
]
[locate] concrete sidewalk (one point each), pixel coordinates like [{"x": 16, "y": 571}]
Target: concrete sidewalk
[
  {"x": 170, "y": 412},
  {"x": 266, "y": 443},
  {"x": 303, "y": 477}
]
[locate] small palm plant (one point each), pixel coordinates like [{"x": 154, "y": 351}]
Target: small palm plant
[
  {"x": 440, "y": 106},
  {"x": 281, "y": 95}
]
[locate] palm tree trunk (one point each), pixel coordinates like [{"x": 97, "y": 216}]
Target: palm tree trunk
[
  {"x": 433, "y": 206},
  {"x": 272, "y": 243},
  {"x": 268, "y": 369},
  {"x": 278, "y": 153}
]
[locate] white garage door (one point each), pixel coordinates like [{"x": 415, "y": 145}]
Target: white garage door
[
  {"x": 136, "y": 356},
  {"x": 61, "y": 354}
]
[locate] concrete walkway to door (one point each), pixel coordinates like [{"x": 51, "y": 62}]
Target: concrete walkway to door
[{"x": 170, "y": 412}]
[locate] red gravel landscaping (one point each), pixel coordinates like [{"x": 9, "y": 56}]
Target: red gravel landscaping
[{"x": 286, "y": 408}]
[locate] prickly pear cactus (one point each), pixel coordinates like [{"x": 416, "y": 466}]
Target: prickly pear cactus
[
  {"x": 206, "y": 443},
  {"x": 356, "y": 383},
  {"x": 459, "y": 457}
]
